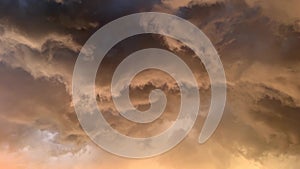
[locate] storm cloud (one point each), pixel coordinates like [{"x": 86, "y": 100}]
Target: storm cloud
[{"x": 259, "y": 45}]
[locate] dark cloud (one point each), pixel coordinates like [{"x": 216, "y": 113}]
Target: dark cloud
[
  {"x": 80, "y": 18},
  {"x": 258, "y": 42}
]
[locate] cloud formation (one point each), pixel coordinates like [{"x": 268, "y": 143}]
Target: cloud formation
[{"x": 258, "y": 42}]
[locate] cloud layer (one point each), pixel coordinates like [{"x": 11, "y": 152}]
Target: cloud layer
[{"x": 258, "y": 42}]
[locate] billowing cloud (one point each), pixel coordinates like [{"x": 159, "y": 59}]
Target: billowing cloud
[
  {"x": 258, "y": 42},
  {"x": 46, "y": 57}
]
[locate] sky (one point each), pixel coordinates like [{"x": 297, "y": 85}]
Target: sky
[{"x": 259, "y": 45}]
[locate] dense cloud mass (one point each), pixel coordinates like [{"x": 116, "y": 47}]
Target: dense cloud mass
[{"x": 259, "y": 45}]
